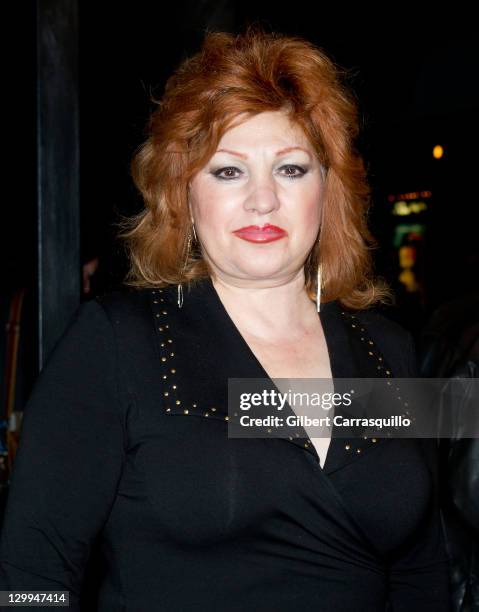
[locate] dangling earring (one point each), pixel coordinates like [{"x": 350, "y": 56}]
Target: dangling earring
[
  {"x": 318, "y": 281},
  {"x": 318, "y": 290},
  {"x": 188, "y": 249},
  {"x": 180, "y": 295}
]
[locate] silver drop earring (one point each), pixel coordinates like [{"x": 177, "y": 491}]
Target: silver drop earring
[
  {"x": 318, "y": 290},
  {"x": 318, "y": 284}
]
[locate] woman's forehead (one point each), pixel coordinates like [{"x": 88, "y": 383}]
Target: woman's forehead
[{"x": 268, "y": 129}]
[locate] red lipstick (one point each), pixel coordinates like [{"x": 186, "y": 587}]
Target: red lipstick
[{"x": 266, "y": 233}]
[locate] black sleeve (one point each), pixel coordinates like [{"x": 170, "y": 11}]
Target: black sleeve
[
  {"x": 419, "y": 573},
  {"x": 68, "y": 463}
]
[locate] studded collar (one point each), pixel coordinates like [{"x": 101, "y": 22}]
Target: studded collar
[{"x": 200, "y": 347}]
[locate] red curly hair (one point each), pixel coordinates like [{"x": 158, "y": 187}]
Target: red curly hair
[{"x": 252, "y": 72}]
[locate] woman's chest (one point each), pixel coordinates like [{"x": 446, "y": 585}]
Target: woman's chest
[
  {"x": 186, "y": 481},
  {"x": 305, "y": 358},
  {"x": 289, "y": 364}
]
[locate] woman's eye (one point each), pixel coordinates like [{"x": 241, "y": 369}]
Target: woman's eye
[
  {"x": 227, "y": 173},
  {"x": 302, "y": 171},
  {"x": 229, "y": 169}
]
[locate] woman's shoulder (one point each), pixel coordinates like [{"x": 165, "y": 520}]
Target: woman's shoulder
[
  {"x": 130, "y": 314},
  {"x": 124, "y": 304},
  {"x": 123, "y": 297},
  {"x": 381, "y": 324},
  {"x": 396, "y": 342}
]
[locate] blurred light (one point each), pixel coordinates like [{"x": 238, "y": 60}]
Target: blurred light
[
  {"x": 437, "y": 152},
  {"x": 412, "y": 195},
  {"x": 403, "y": 208},
  {"x": 404, "y": 229}
]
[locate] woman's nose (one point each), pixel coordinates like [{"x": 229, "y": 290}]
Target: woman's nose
[{"x": 263, "y": 196}]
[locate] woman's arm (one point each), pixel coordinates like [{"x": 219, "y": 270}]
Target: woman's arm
[
  {"x": 419, "y": 573},
  {"x": 69, "y": 461}
]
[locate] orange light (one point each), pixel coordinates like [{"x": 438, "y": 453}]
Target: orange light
[{"x": 437, "y": 152}]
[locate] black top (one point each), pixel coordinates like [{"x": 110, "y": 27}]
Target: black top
[{"x": 125, "y": 442}]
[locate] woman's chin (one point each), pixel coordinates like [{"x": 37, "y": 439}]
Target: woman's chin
[{"x": 260, "y": 272}]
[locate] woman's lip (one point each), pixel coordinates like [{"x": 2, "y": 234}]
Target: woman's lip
[{"x": 254, "y": 233}]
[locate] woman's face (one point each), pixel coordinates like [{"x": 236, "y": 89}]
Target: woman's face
[{"x": 263, "y": 172}]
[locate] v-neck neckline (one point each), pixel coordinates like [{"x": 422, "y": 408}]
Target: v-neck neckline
[
  {"x": 341, "y": 360},
  {"x": 210, "y": 349}
]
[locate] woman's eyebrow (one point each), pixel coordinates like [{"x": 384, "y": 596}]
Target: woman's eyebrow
[{"x": 280, "y": 152}]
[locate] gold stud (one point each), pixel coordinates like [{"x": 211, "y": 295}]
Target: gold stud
[
  {"x": 358, "y": 450},
  {"x": 168, "y": 409},
  {"x": 177, "y": 402},
  {"x": 163, "y": 359},
  {"x": 207, "y": 414},
  {"x": 213, "y": 409},
  {"x": 166, "y": 393},
  {"x": 226, "y": 418},
  {"x": 172, "y": 354},
  {"x": 173, "y": 386},
  {"x": 194, "y": 405},
  {"x": 370, "y": 342},
  {"x": 164, "y": 376},
  {"x": 173, "y": 370},
  {"x": 370, "y": 352},
  {"x": 373, "y": 440},
  {"x": 185, "y": 411},
  {"x": 388, "y": 372},
  {"x": 170, "y": 340},
  {"x": 160, "y": 328},
  {"x": 347, "y": 447},
  {"x": 306, "y": 445},
  {"x": 164, "y": 312}
]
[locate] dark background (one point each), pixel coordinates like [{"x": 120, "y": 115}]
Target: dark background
[{"x": 416, "y": 83}]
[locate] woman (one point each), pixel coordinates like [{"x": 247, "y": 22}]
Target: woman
[{"x": 254, "y": 223}]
